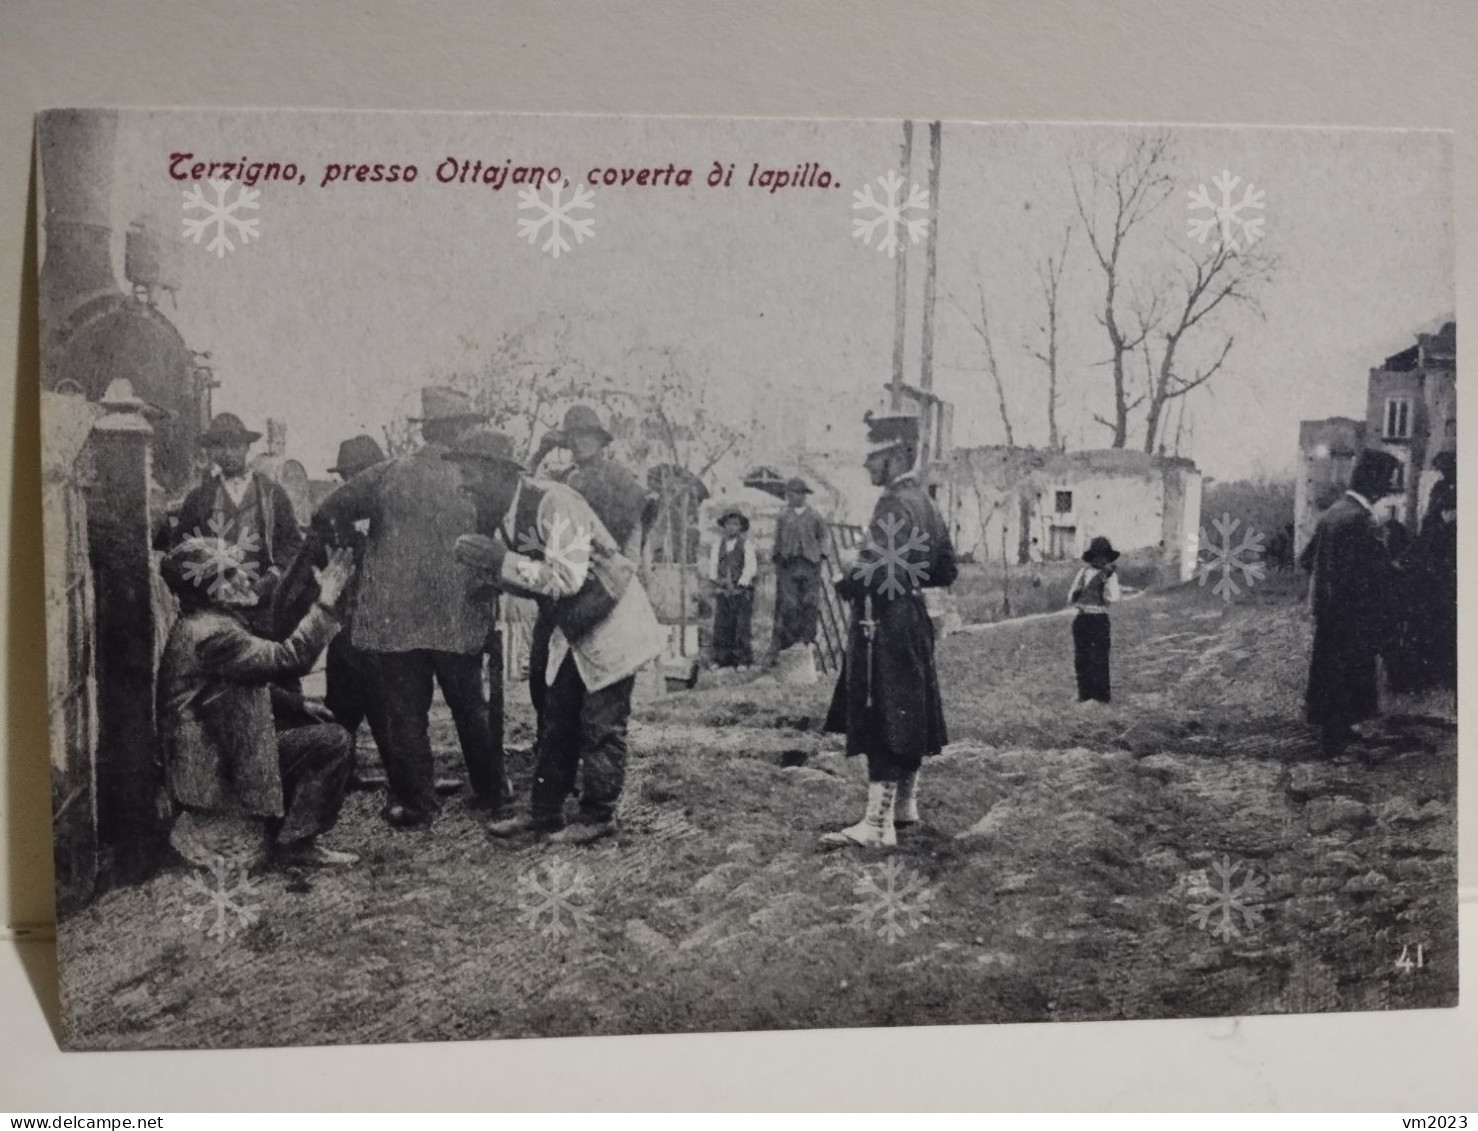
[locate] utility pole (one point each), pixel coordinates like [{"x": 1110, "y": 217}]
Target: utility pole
[
  {"x": 929, "y": 411},
  {"x": 900, "y": 284}
]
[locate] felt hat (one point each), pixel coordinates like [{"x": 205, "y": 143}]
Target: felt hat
[
  {"x": 734, "y": 512},
  {"x": 226, "y": 428},
  {"x": 484, "y": 446},
  {"x": 886, "y": 431},
  {"x": 356, "y": 454},
  {"x": 1100, "y": 547},
  {"x": 441, "y": 403},
  {"x": 798, "y": 485},
  {"x": 583, "y": 418}
]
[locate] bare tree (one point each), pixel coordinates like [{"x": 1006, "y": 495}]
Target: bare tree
[
  {"x": 1132, "y": 190},
  {"x": 1049, "y": 274},
  {"x": 1211, "y": 282},
  {"x": 981, "y": 325}
]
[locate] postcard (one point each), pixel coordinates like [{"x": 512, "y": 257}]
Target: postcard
[{"x": 519, "y": 576}]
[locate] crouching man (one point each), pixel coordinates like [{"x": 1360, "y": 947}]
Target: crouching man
[
  {"x": 542, "y": 540},
  {"x": 248, "y": 765}
]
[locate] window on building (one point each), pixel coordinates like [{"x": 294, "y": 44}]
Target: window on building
[
  {"x": 1064, "y": 502},
  {"x": 1398, "y": 418}
]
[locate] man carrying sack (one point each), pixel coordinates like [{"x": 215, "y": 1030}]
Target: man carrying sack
[{"x": 543, "y": 541}]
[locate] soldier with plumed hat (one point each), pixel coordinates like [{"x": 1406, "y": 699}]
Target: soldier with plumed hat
[
  {"x": 887, "y": 699},
  {"x": 246, "y": 508},
  {"x": 731, "y": 570},
  {"x": 415, "y": 615},
  {"x": 1351, "y": 594},
  {"x": 800, "y": 545}
]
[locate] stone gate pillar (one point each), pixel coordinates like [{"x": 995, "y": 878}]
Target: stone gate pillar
[{"x": 128, "y": 778}]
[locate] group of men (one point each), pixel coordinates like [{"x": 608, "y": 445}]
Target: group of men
[
  {"x": 399, "y": 577},
  {"x": 1370, "y": 604},
  {"x": 800, "y": 546}
]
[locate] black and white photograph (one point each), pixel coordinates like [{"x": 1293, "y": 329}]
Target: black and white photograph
[{"x": 518, "y": 576}]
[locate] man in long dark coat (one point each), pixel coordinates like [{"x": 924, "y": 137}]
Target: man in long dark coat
[
  {"x": 237, "y": 748},
  {"x": 887, "y": 698},
  {"x": 1351, "y": 600}
]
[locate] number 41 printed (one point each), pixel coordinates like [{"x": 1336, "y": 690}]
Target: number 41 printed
[{"x": 1406, "y": 964}]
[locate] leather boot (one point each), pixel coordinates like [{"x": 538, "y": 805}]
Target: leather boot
[
  {"x": 907, "y": 807},
  {"x": 876, "y": 829}
]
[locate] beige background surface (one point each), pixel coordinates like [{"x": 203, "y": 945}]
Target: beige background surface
[{"x": 1357, "y": 62}]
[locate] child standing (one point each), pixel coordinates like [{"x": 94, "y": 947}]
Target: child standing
[
  {"x": 731, "y": 568},
  {"x": 1094, "y": 589}
]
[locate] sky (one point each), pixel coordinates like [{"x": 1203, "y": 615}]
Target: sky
[{"x": 355, "y": 295}]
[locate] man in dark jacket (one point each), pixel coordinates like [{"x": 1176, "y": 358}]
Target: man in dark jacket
[
  {"x": 414, "y": 613},
  {"x": 239, "y": 751},
  {"x": 353, "y": 689},
  {"x": 245, "y": 508},
  {"x": 800, "y": 544},
  {"x": 887, "y": 698},
  {"x": 1351, "y": 602}
]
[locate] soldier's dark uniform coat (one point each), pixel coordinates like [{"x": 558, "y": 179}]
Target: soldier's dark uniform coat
[
  {"x": 1351, "y": 595},
  {"x": 906, "y": 719}
]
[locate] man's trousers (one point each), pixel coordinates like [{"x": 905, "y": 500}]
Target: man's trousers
[
  {"x": 406, "y": 684},
  {"x": 582, "y": 731}
]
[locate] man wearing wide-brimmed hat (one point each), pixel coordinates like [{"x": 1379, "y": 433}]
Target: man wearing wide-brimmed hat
[
  {"x": 732, "y": 569},
  {"x": 250, "y": 768},
  {"x": 249, "y": 510},
  {"x": 617, "y": 497},
  {"x": 542, "y": 540},
  {"x": 800, "y": 544},
  {"x": 414, "y": 612},
  {"x": 887, "y": 698}
]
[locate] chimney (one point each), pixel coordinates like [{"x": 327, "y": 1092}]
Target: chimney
[{"x": 75, "y": 149}]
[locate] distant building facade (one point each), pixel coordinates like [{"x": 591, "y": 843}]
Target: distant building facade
[
  {"x": 1410, "y": 412},
  {"x": 1024, "y": 505}
]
